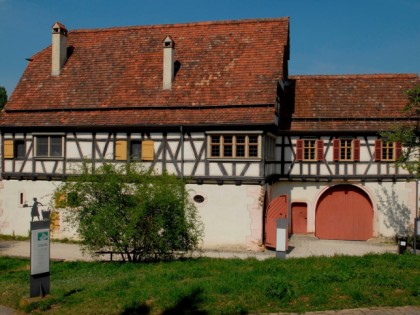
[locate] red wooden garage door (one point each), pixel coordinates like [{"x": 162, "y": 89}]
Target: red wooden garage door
[
  {"x": 276, "y": 209},
  {"x": 344, "y": 212}
]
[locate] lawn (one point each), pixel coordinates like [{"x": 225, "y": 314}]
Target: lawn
[{"x": 217, "y": 286}]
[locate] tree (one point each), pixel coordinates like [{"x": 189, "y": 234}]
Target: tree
[
  {"x": 407, "y": 134},
  {"x": 3, "y": 97},
  {"x": 128, "y": 210}
]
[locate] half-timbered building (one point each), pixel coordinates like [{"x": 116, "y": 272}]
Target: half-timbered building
[
  {"x": 212, "y": 103},
  {"x": 334, "y": 174}
]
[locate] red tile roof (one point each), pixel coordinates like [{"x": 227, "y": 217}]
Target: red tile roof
[
  {"x": 349, "y": 102},
  {"x": 132, "y": 117},
  {"x": 233, "y": 63}
]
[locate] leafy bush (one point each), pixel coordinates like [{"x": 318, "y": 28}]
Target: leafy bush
[{"x": 131, "y": 211}]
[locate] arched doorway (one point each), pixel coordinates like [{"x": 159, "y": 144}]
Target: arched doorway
[
  {"x": 344, "y": 212},
  {"x": 276, "y": 209}
]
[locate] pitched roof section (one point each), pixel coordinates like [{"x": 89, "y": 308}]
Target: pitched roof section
[
  {"x": 132, "y": 117},
  {"x": 234, "y": 63},
  {"x": 349, "y": 102}
]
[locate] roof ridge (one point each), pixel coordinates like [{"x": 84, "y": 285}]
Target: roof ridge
[
  {"x": 186, "y": 24},
  {"x": 145, "y": 107}
]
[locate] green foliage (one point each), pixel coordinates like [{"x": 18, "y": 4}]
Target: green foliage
[
  {"x": 413, "y": 106},
  {"x": 407, "y": 135},
  {"x": 3, "y": 97},
  {"x": 128, "y": 210}
]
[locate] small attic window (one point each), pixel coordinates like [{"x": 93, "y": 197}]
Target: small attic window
[{"x": 167, "y": 44}]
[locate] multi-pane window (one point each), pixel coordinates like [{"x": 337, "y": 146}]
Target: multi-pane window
[
  {"x": 346, "y": 149},
  {"x": 228, "y": 146},
  {"x": 234, "y": 146},
  {"x": 240, "y": 146},
  {"x": 215, "y": 146},
  {"x": 253, "y": 146},
  {"x": 20, "y": 149},
  {"x": 14, "y": 149},
  {"x": 49, "y": 146},
  {"x": 135, "y": 150},
  {"x": 387, "y": 150},
  {"x": 309, "y": 149}
]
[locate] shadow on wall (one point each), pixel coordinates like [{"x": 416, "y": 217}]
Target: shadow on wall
[{"x": 396, "y": 214}]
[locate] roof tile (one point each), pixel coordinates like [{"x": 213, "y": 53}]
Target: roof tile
[
  {"x": 221, "y": 63},
  {"x": 350, "y": 102}
]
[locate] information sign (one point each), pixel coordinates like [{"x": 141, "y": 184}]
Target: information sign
[
  {"x": 40, "y": 251},
  {"x": 40, "y": 258}
]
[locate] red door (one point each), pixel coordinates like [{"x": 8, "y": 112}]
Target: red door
[
  {"x": 299, "y": 218},
  {"x": 276, "y": 209},
  {"x": 344, "y": 212}
]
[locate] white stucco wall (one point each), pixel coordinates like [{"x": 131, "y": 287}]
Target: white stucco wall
[
  {"x": 394, "y": 204},
  {"x": 232, "y": 215},
  {"x": 15, "y": 217}
]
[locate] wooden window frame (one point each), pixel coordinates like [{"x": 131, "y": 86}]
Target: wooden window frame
[
  {"x": 310, "y": 150},
  {"x": 49, "y": 147},
  {"x": 390, "y": 152},
  {"x": 219, "y": 143},
  {"x": 16, "y": 145},
  {"x": 132, "y": 156},
  {"x": 123, "y": 150},
  {"x": 354, "y": 149}
]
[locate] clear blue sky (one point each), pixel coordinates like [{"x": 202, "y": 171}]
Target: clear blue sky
[{"x": 327, "y": 36}]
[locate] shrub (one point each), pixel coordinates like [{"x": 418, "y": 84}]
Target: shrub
[{"x": 132, "y": 211}]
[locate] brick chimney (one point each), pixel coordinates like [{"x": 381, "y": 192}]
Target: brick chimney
[
  {"x": 168, "y": 63},
  {"x": 59, "y": 48}
]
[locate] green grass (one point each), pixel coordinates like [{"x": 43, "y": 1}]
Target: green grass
[
  {"x": 4, "y": 237},
  {"x": 216, "y": 286}
]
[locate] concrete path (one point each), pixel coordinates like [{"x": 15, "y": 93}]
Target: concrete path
[
  {"x": 299, "y": 246},
  {"x": 403, "y": 310}
]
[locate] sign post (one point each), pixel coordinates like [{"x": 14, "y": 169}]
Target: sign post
[
  {"x": 40, "y": 258},
  {"x": 281, "y": 238},
  {"x": 416, "y": 233}
]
